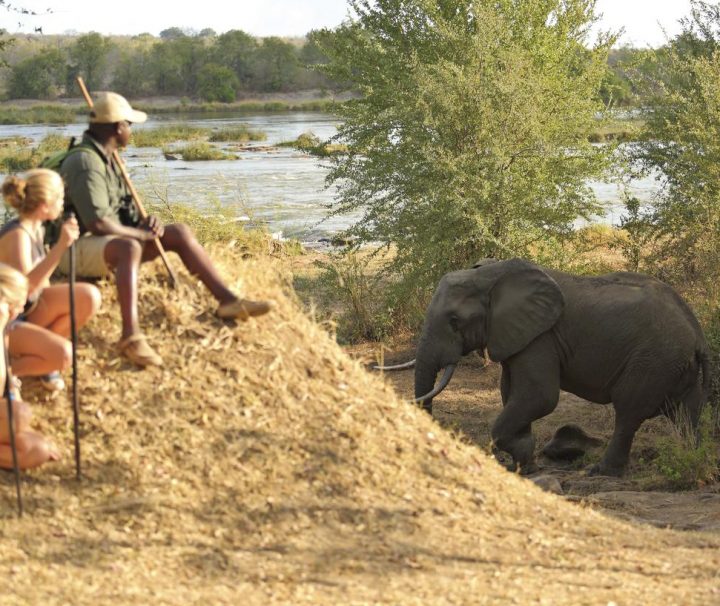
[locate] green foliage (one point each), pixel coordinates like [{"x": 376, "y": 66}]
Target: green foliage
[
  {"x": 310, "y": 144},
  {"x": 41, "y": 76},
  {"x": 39, "y": 114},
  {"x": 53, "y": 143},
  {"x": 470, "y": 138},
  {"x": 685, "y": 461},
  {"x": 130, "y": 73},
  {"x": 180, "y": 62},
  {"x": 621, "y": 131},
  {"x": 236, "y": 50},
  {"x": 89, "y": 59},
  {"x": 201, "y": 151},
  {"x": 682, "y": 145},
  {"x": 277, "y": 67},
  {"x": 14, "y": 159},
  {"x": 163, "y": 135},
  {"x": 352, "y": 285},
  {"x": 240, "y": 133},
  {"x": 628, "y": 68},
  {"x": 218, "y": 83}
]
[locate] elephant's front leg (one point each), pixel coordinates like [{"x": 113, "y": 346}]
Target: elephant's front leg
[{"x": 531, "y": 389}]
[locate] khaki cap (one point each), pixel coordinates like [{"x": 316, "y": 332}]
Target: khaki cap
[{"x": 111, "y": 107}]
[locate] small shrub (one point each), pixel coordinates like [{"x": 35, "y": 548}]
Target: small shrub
[
  {"x": 18, "y": 161},
  {"x": 354, "y": 287},
  {"x": 13, "y": 160},
  {"x": 239, "y": 133},
  {"x": 53, "y": 143},
  {"x": 201, "y": 151},
  {"x": 163, "y": 135},
  {"x": 310, "y": 144},
  {"x": 685, "y": 462}
]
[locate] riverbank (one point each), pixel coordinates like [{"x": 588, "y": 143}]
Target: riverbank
[{"x": 62, "y": 111}]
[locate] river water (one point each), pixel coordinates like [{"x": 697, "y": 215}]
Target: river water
[{"x": 281, "y": 187}]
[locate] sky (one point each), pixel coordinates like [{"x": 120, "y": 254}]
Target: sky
[{"x": 642, "y": 20}]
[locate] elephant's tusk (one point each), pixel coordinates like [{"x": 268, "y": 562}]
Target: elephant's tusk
[
  {"x": 403, "y": 366},
  {"x": 444, "y": 380}
]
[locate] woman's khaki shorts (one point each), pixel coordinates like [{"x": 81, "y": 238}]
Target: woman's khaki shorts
[{"x": 89, "y": 257}]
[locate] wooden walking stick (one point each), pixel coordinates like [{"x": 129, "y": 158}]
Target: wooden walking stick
[
  {"x": 73, "y": 336},
  {"x": 9, "y": 397},
  {"x": 133, "y": 192}
]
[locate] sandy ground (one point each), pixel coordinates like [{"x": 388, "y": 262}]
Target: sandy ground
[{"x": 471, "y": 402}]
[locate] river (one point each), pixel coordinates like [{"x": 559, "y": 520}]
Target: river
[{"x": 282, "y": 188}]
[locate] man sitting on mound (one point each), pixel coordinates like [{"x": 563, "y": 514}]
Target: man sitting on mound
[{"x": 115, "y": 239}]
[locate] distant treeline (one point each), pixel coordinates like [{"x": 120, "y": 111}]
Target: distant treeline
[{"x": 200, "y": 65}]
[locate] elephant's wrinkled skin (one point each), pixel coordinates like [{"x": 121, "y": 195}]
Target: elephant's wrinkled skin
[{"x": 623, "y": 338}]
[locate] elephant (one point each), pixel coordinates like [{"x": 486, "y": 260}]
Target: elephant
[{"x": 621, "y": 338}]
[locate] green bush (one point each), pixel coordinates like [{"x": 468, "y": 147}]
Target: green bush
[
  {"x": 310, "y": 144},
  {"x": 201, "y": 151},
  {"x": 685, "y": 462},
  {"x": 354, "y": 288},
  {"x": 237, "y": 133},
  {"x": 53, "y": 143},
  {"x": 15, "y": 161},
  {"x": 163, "y": 135},
  {"x": 218, "y": 83}
]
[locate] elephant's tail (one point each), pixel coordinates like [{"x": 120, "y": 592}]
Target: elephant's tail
[{"x": 703, "y": 358}]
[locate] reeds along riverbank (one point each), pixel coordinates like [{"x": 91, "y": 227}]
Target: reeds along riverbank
[{"x": 69, "y": 113}]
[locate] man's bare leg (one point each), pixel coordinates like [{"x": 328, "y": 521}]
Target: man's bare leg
[
  {"x": 124, "y": 255},
  {"x": 180, "y": 239}
]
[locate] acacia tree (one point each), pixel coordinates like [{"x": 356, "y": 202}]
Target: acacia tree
[
  {"x": 470, "y": 136},
  {"x": 681, "y": 225}
]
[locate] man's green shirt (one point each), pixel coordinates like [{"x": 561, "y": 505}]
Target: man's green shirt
[{"x": 94, "y": 186}]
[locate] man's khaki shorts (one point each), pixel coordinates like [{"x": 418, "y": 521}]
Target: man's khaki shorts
[{"x": 89, "y": 257}]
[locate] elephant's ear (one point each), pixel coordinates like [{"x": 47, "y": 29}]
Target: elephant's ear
[{"x": 524, "y": 303}]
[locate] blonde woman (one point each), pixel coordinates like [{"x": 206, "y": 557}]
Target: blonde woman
[
  {"x": 32, "y": 448},
  {"x": 39, "y": 344}
]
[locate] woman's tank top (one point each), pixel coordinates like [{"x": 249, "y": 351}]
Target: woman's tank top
[{"x": 37, "y": 251}]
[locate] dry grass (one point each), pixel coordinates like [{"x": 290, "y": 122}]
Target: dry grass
[{"x": 262, "y": 465}]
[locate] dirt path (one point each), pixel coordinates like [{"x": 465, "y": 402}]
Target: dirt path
[{"x": 471, "y": 402}]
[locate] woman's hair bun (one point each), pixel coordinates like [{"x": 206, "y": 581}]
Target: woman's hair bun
[{"x": 13, "y": 190}]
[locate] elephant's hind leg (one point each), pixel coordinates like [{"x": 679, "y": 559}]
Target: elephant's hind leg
[{"x": 633, "y": 402}]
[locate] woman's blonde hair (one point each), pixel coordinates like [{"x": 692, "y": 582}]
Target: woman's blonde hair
[
  {"x": 13, "y": 286},
  {"x": 39, "y": 186}
]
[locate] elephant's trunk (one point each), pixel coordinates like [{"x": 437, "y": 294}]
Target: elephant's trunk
[
  {"x": 426, "y": 399},
  {"x": 427, "y": 365}
]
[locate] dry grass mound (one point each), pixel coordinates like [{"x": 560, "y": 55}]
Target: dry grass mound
[{"x": 262, "y": 465}]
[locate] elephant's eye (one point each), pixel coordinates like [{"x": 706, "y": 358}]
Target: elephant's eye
[{"x": 454, "y": 323}]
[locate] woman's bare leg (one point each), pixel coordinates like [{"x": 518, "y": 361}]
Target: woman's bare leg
[
  {"x": 53, "y": 307},
  {"x": 35, "y": 351}
]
